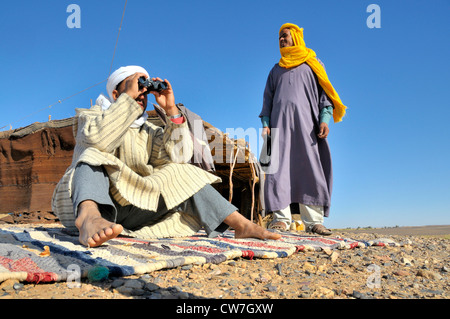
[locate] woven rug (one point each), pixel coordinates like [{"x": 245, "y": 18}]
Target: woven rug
[{"x": 38, "y": 254}]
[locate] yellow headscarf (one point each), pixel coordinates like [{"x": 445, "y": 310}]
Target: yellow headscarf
[{"x": 298, "y": 54}]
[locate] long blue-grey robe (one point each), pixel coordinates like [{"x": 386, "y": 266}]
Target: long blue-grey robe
[{"x": 293, "y": 100}]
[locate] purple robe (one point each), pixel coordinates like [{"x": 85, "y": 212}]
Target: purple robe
[{"x": 293, "y": 100}]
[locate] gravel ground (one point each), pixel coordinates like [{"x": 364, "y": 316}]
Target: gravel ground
[{"x": 419, "y": 270}]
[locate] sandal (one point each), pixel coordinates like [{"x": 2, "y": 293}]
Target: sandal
[
  {"x": 278, "y": 225},
  {"x": 320, "y": 230}
]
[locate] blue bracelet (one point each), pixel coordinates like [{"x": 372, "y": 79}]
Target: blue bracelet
[{"x": 172, "y": 117}]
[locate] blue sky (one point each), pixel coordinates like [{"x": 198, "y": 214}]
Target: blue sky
[{"x": 391, "y": 151}]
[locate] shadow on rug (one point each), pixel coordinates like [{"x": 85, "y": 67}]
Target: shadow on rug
[{"x": 49, "y": 254}]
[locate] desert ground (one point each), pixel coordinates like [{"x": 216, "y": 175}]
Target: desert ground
[{"x": 418, "y": 269}]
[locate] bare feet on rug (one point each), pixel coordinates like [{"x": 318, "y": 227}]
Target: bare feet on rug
[
  {"x": 244, "y": 228},
  {"x": 94, "y": 229}
]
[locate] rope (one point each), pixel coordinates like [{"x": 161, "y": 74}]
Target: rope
[
  {"x": 92, "y": 86},
  {"x": 117, "y": 40},
  {"x": 232, "y": 164},
  {"x": 254, "y": 180}
]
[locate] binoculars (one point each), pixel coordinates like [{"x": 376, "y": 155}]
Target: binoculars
[{"x": 157, "y": 86}]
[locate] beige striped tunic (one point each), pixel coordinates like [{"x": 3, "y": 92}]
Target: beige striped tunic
[{"x": 142, "y": 164}]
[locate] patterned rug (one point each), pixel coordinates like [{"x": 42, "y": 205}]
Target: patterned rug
[{"x": 38, "y": 254}]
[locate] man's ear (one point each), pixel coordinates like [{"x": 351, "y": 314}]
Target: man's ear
[{"x": 115, "y": 94}]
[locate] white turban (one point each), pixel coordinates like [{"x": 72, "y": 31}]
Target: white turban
[
  {"x": 114, "y": 79},
  {"x": 121, "y": 74}
]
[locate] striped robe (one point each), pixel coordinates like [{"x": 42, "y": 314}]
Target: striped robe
[{"x": 142, "y": 164}]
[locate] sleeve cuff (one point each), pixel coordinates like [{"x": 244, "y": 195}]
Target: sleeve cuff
[
  {"x": 265, "y": 120},
  {"x": 325, "y": 114}
]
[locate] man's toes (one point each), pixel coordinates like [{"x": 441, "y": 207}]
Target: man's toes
[
  {"x": 102, "y": 235},
  {"x": 113, "y": 231},
  {"x": 96, "y": 240},
  {"x": 91, "y": 242},
  {"x": 107, "y": 232},
  {"x": 96, "y": 237},
  {"x": 116, "y": 229},
  {"x": 274, "y": 236}
]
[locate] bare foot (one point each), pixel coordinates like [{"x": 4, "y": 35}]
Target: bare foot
[
  {"x": 94, "y": 229},
  {"x": 244, "y": 228}
]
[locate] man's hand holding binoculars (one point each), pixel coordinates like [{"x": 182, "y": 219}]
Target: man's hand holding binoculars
[
  {"x": 164, "y": 97},
  {"x": 138, "y": 86}
]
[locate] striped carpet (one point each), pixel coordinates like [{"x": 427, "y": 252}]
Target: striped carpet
[{"x": 38, "y": 254}]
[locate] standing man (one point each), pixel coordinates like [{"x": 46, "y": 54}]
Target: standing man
[{"x": 299, "y": 101}]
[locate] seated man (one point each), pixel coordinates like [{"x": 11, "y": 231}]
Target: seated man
[{"x": 131, "y": 177}]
